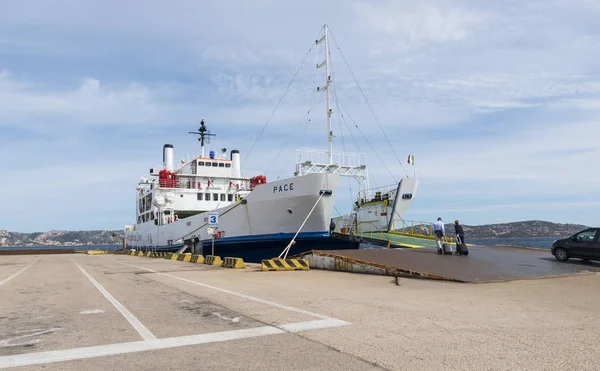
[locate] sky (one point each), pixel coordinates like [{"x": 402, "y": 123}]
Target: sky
[{"x": 499, "y": 102}]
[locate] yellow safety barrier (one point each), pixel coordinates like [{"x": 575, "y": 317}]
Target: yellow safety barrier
[
  {"x": 213, "y": 260},
  {"x": 229, "y": 262},
  {"x": 185, "y": 257},
  {"x": 96, "y": 252},
  {"x": 197, "y": 259},
  {"x": 148, "y": 254},
  {"x": 169, "y": 255},
  {"x": 141, "y": 253},
  {"x": 277, "y": 264},
  {"x": 132, "y": 252},
  {"x": 174, "y": 257}
]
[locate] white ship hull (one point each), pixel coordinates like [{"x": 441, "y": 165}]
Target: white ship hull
[{"x": 259, "y": 227}]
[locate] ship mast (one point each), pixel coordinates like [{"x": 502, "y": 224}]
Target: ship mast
[
  {"x": 349, "y": 164},
  {"x": 328, "y": 92},
  {"x": 204, "y": 135}
]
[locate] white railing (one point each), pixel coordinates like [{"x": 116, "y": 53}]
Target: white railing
[
  {"x": 377, "y": 194},
  {"x": 321, "y": 157}
]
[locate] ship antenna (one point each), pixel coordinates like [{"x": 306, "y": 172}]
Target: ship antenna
[
  {"x": 204, "y": 136},
  {"x": 326, "y": 87}
]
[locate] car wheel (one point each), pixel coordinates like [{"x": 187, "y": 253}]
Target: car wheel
[{"x": 561, "y": 254}]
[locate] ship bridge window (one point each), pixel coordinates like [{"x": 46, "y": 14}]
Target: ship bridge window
[
  {"x": 200, "y": 196},
  {"x": 227, "y": 165},
  {"x": 221, "y": 164},
  {"x": 222, "y": 196},
  {"x": 200, "y": 163},
  {"x": 215, "y": 197},
  {"x": 214, "y": 164},
  {"x": 230, "y": 197},
  {"x": 207, "y": 196},
  {"x": 207, "y": 164}
]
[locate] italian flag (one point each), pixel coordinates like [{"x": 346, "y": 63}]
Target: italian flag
[{"x": 411, "y": 159}]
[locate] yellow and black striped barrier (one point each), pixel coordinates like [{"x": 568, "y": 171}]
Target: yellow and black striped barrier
[
  {"x": 229, "y": 262},
  {"x": 132, "y": 252},
  {"x": 185, "y": 257},
  {"x": 277, "y": 264},
  {"x": 169, "y": 255},
  {"x": 197, "y": 259},
  {"x": 174, "y": 257},
  {"x": 140, "y": 253},
  {"x": 213, "y": 260}
]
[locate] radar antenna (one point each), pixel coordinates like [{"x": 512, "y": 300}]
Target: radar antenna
[{"x": 204, "y": 136}]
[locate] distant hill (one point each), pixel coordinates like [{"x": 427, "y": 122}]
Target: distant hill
[
  {"x": 60, "y": 238},
  {"x": 530, "y": 228}
]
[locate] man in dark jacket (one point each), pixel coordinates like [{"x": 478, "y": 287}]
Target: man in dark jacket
[{"x": 460, "y": 233}]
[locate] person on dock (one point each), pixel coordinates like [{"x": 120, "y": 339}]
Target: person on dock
[
  {"x": 460, "y": 232},
  {"x": 438, "y": 232}
]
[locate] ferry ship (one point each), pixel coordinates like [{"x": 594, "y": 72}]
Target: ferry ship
[{"x": 205, "y": 206}]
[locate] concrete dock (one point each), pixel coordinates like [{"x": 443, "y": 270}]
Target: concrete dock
[{"x": 109, "y": 312}]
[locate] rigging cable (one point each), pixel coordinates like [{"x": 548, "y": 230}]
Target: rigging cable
[
  {"x": 280, "y": 100},
  {"x": 373, "y": 112},
  {"x": 291, "y": 136},
  {"x": 304, "y": 135},
  {"x": 369, "y": 143},
  {"x": 354, "y": 139},
  {"x": 340, "y": 116}
]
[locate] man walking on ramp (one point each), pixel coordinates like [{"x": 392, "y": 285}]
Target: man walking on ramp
[{"x": 439, "y": 232}]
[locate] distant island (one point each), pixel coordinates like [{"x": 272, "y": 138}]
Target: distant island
[
  {"x": 61, "y": 238},
  {"x": 525, "y": 229}
]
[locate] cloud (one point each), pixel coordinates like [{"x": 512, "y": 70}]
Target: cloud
[
  {"x": 496, "y": 100},
  {"x": 542, "y": 205},
  {"x": 88, "y": 103},
  {"x": 411, "y": 23}
]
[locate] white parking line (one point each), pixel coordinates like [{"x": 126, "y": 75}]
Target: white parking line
[
  {"x": 151, "y": 343},
  {"x": 156, "y": 344},
  {"x": 277, "y": 305},
  {"x": 16, "y": 274},
  {"x": 132, "y": 347},
  {"x": 140, "y": 328}
]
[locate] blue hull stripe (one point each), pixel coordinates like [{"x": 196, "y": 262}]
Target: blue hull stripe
[
  {"x": 271, "y": 237},
  {"x": 274, "y": 237}
]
